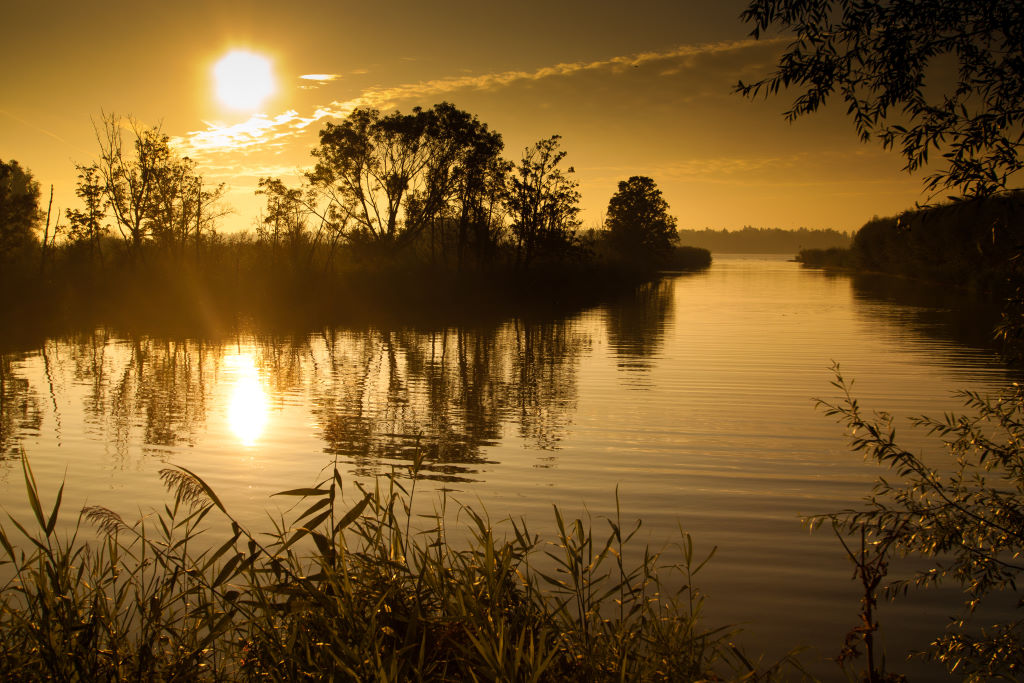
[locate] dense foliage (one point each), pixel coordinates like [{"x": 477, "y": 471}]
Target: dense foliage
[
  {"x": 638, "y": 221},
  {"x": 967, "y": 244},
  {"x": 19, "y": 207},
  {"x": 962, "y": 508},
  {"x": 929, "y": 78},
  {"x": 391, "y": 178},
  {"x": 400, "y": 211},
  {"x": 835, "y": 257}
]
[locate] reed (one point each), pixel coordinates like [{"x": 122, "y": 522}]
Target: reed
[{"x": 356, "y": 586}]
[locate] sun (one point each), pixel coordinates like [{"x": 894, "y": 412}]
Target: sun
[{"x": 244, "y": 80}]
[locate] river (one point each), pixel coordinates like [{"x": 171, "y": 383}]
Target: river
[{"x": 692, "y": 397}]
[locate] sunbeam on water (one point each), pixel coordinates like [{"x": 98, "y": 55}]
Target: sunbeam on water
[{"x": 247, "y": 407}]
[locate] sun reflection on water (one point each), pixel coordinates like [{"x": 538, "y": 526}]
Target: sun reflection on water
[{"x": 247, "y": 408}]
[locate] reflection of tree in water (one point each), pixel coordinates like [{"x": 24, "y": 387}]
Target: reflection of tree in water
[
  {"x": 170, "y": 390},
  {"x": 543, "y": 382},
  {"x": 156, "y": 385},
  {"x": 19, "y": 407},
  {"x": 282, "y": 362},
  {"x": 379, "y": 396},
  {"x": 164, "y": 387},
  {"x": 636, "y": 324},
  {"x": 90, "y": 368},
  {"x": 445, "y": 392},
  {"x": 936, "y": 312}
]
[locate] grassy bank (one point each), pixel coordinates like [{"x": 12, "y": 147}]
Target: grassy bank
[{"x": 363, "y": 590}]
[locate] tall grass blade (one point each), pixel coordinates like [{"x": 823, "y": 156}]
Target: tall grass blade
[
  {"x": 353, "y": 514},
  {"x": 303, "y": 492},
  {"x": 51, "y": 521},
  {"x": 33, "y": 493}
]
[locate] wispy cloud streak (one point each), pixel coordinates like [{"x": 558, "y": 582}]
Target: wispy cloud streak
[
  {"x": 262, "y": 131},
  {"x": 314, "y": 81}
]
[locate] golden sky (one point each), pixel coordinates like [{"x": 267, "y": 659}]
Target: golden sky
[{"x": 642, "y": 88}]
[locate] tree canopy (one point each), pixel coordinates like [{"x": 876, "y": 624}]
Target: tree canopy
[
  {"x": 638, "y": 220},
  {"x": 542, "y": 202},
  {"x": 397, "y": 174},
  {"x": 19, "y": 206},
  {"x": 151, "y": 192},
  {"x": 940, "y": 77}
]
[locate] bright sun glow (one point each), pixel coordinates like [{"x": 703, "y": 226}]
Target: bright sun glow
[
  {"x": 243, "y": 79},
  {"x": 247, "y": 408}
]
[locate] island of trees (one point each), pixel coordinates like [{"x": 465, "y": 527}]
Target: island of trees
[{"x": 415, "y": 210}]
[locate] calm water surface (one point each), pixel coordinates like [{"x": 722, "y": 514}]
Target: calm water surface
[{"x": 692, "y": 398}]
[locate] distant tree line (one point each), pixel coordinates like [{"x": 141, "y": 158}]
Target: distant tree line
[
  {"x": 751, "y": 240},
  {"x": 393, "y": 202}
]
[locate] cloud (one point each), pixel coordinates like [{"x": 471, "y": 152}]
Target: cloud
[
  {"x": 317, "y": 80},
  {"x": 258, "y": 132},
  {"x": 262, "y": 131},
  {"x": 33, "y": 126},
  {"x": 251, "y": 172},
  {"x": 493, "y": 81}
]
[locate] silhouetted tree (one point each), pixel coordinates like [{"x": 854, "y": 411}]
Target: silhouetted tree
[
  {"x": 943, "y": 76},
  {"x": 482, "y": 208},
  {"x": 399, "y": 175},
  {"x": 183, "y": 208},
  {"x": 542, "y": 202},
  {"x": 151, "y": 191},
  {"x": 638, "y": 221},
  {"x": 291, "y": 213},
  {"x": 86, "y": 226},
  {"x": 465, "y": 177},
  {"x": 287, "y": 215},
  {"x": 370, "y": 164},
  {"x": 129, "y": 180},
  {"x": 19, "y": 207}
]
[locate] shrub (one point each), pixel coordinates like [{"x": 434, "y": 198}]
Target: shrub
[{"x": 963, "y": 512}]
